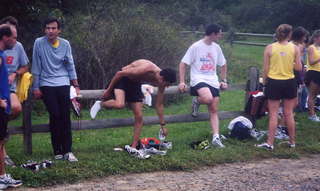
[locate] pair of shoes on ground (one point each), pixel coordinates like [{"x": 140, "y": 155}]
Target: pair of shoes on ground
[
  {"x": 95, "y": 109},
  {"x": 140, "y": 154},
  {"x": 314, "y": 118},
  {"x": 68, "y": 156},
  {"x": 270, "y": 147},
  {"x": 7, "y": 181}
]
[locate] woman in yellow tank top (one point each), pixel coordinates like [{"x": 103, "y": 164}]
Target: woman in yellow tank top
[
  {"x": 280, "y": 59},
  {"x": 313, "y": 74}
]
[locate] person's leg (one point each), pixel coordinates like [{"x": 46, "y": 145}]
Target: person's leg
[
  {"x": 213, "y": 112},
  {"x": 16, "y": 107},
  {"x": 65, "y": 121},
  {"x": 50, "y": 99},
  {"x": 273, "y": 106},
  {"x": 118, "y": 102},
  {"x": 289, "y": 105},
  {"x": 313, "y": 90},
  {"x": 138, "y": 122}
]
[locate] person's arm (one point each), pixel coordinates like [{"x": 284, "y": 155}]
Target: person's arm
[
  {"x": 223, "y": 76},
  {"x": 266, "y": 63},
  {"x": 36, "y": 70},
  {"x": 312, "y": 60},
  {"x": 297, "y": 60},
  {"x": 159, "y": 104},
  {"x": 182, "y": 73}
]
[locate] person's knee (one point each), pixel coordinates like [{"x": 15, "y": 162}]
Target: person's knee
[
  {"x": 119, "y": 105},
  {"x": 207, "y": 100},
  {"x": 16, "y": 109}
]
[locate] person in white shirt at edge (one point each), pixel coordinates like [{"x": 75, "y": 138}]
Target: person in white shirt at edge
[{"x": 203, "y": 57}]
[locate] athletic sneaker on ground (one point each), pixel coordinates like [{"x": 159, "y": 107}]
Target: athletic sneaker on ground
[
  {"x": 195, "y": 107},
  {"x": 265, "y": 146},
  {"x": 216, "y": 141},
  {"x": 95, "y": 109},
  {"x": 154, "y": 151},
  {"x": 136, "y": 153},
  {"x": 8, "y": 161},
  {"x": 281, "y": 135},
  {"x": 70, "y": 157},
  {"x": 58, "y": 157},
  {"x": 314, "y": 118},
  {"x": 7, "y": 181}
]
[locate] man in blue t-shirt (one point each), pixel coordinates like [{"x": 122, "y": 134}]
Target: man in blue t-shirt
[
  {"x": 8, "y": 38},
  {"x": 17, "y": 64}
]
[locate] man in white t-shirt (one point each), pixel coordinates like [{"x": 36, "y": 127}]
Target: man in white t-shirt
[{"x": 203, "y": 57}]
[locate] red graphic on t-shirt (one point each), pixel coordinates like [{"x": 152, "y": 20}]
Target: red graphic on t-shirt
[
  {"x": 207, "y": 63},
  {"x": 9, "y": 59}
]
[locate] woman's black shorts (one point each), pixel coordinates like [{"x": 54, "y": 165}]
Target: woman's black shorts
[
  {"x": 281, "y": 89},
  {"x": 313, "y": 76}
]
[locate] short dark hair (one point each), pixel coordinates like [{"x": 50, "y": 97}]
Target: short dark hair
[
  {"x": 213, "y": 28},
  {"x": 5, "y": 30},
  {"x": 51, "y": 20},
  {"x": 169, "y": 75},
  {"x": 9, "y": 19},
  {"x": 298, "y": 33}
]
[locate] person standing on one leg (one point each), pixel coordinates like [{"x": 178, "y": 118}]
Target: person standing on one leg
[
  {"x": 17, "y": 64},
  {"x": 125, "y": 86},
  {"x": 53, "y": 70},
  {"x": 203, "y": 57},
  {"x": 8, "y": 37},
  {"x": 280, "y": 60}
]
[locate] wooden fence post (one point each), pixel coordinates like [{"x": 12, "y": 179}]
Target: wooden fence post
[
  {"x": 252, "y": 82},
  {"x": 27, "y": 124}
]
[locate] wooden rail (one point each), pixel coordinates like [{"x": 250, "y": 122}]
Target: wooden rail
[{"x": 27, "y": 128}]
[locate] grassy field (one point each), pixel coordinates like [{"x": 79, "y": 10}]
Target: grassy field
[{"x": 94, "y": 148}]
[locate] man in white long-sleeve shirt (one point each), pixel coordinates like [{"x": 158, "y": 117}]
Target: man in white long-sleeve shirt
[{"x": 53, "y": 69}]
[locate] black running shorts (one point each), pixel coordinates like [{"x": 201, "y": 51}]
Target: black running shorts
[
  {"x": 131, "y": 88},
  {"x": 281, "y": 89},
  {"x": 194, "y": 89}
]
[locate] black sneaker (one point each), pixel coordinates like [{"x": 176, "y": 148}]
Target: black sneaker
[{"x": 265, "y": 146}]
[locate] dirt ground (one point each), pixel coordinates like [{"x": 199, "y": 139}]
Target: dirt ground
[{"x": 272, "y": 174}]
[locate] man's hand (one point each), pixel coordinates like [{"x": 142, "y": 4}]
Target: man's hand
[
  {"x": 223, "y": 85},
  {"x": 3, "y": 103},
  {"x": 37, "y": 94},
  {"x": 12, "y": 77},
  {"x": 182, "y": 87}
]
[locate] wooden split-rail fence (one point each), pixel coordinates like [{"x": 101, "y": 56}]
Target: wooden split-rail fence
[{"x": 27, "y": 128}]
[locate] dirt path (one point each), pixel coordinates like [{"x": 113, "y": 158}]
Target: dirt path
[{"x": 271, "y": 174}]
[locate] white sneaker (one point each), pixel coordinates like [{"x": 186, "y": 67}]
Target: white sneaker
[
  {"x": 140, "y": 154},
  {"x": 70, "y": 157},
  {"x": 216, "y": 141},
  {"x": 154, "y": 151},
  {"x": 265, "y": 146},
  {"x": 7, "y": 181},
  {"x": 95, "y": 109},
  {"x": 314, "y": 118},
  {"x": 195, "y": 107}
]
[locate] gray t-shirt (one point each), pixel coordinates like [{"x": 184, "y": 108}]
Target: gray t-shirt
[{"x": 16, "y": 58}]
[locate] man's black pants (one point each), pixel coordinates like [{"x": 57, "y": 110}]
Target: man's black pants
[{"x": 57, "y": 101}]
